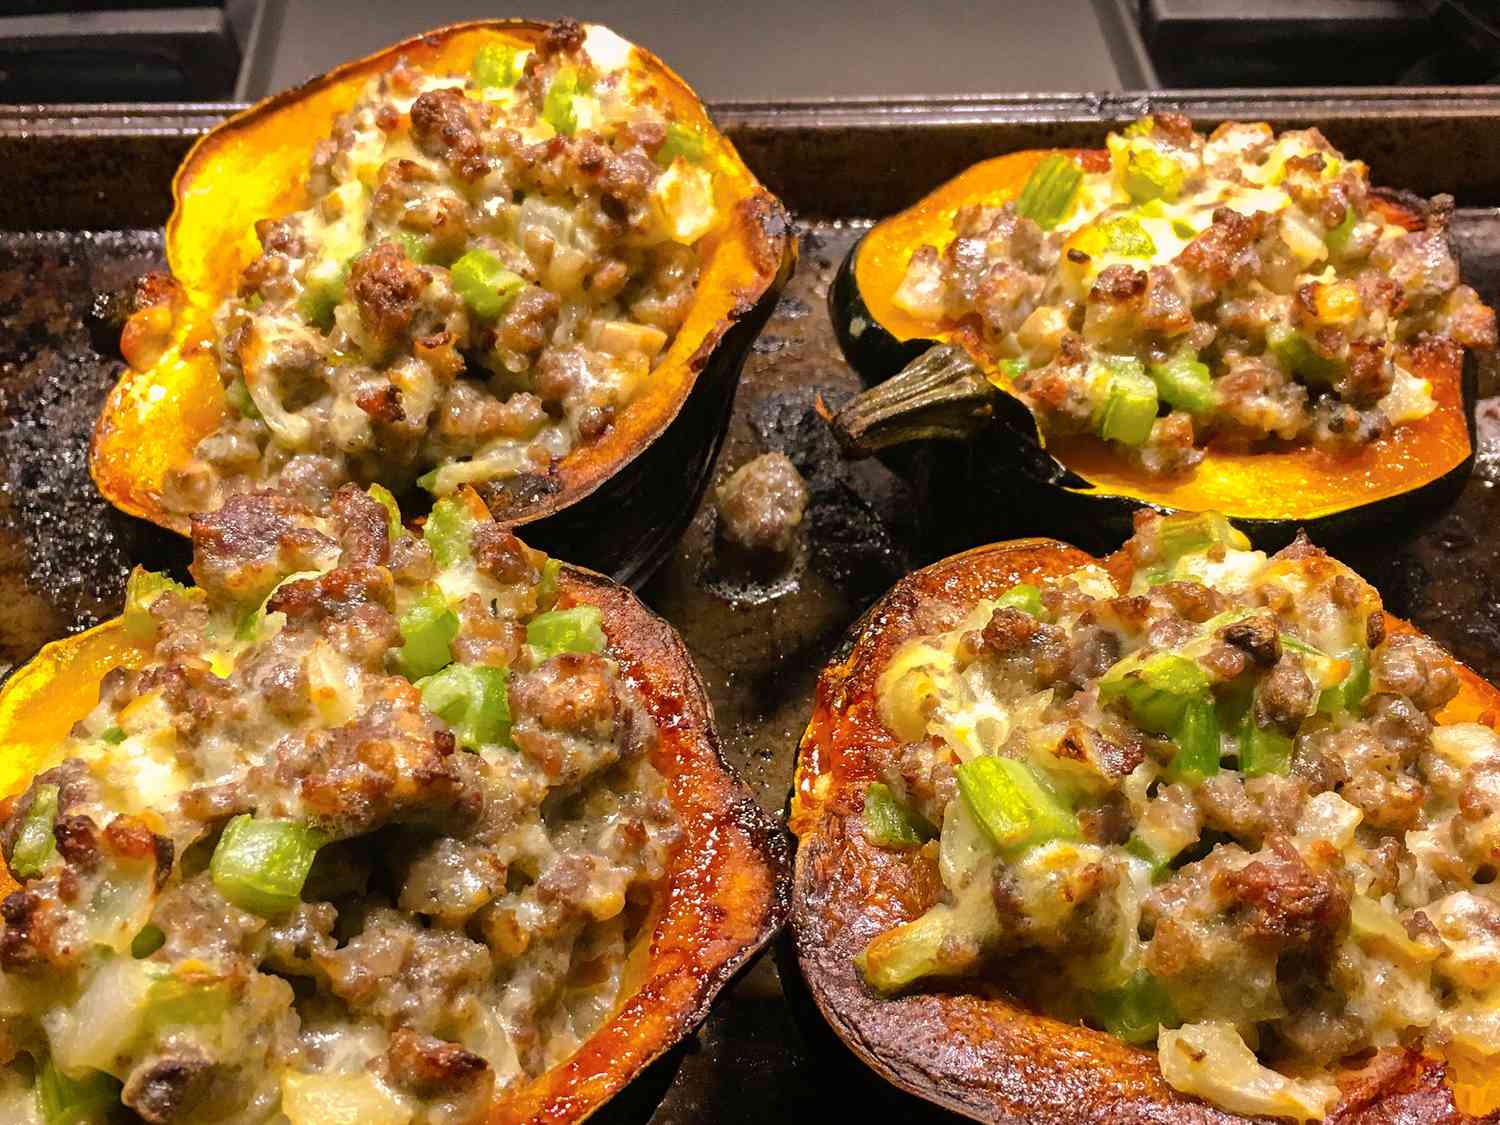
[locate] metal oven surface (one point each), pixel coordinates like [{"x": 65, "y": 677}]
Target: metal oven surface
[{"x": 87, "y": 190}]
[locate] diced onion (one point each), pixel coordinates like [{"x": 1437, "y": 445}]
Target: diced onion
[
  {"x": 1211, "y": 1061},
  {"x": 1467, "y": 925},
  {"x": 624, "y": 338},
  {"x": 332, "y": 684},
  {"x": 340, "y": 1099},
  {"x": 921, "y": 290},
  {"x": 1409, "y": 398},
  {"x": 964, "y": 847},
  {"x": 1302, "y": 237},
  {"x": 1465, "y": 744},
  {"x": 1329, "y": 817},
  {"x": 683, "y": 201},
  {"x": 95, "y": 1028},
  {"x": 909, "y": 687}
]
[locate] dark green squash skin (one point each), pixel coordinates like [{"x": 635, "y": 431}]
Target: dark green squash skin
[
  {"x": 628, "y": 525},
  {"x": 1007, "y": 462},
  {"x": 872, "y": 352}
]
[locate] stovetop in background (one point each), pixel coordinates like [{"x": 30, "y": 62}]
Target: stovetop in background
[
  {"x": 1248, "y": 43},
  {"x": 235, "y": 50},
  {"x": 134, "y": 50}
]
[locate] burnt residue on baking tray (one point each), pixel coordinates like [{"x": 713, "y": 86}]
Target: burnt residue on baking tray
[{"x": 64, "y": 552}]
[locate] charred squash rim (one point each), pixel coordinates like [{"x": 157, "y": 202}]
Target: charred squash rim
[
  {"x": 727, "y": 886},
  {"x": 252, "y": 167},
  {"x": 1269, "y": 494},
  {"x": 966, "y": 1046}
]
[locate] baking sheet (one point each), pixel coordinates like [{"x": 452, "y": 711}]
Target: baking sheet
[{"x": 86, "y": 190}]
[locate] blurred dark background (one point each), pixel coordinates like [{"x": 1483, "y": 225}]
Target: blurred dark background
[{"x": 237, "y": 50}]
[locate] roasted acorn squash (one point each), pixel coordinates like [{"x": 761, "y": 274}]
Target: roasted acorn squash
[
  {"x": 726, "y": 894},
  {"x": 967, "y": 1046},
  {"x": 619, "y": 501},
  {"x": 949, "y": 390}
]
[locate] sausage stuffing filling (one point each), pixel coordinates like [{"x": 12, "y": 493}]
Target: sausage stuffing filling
[
  {"x": 490, "y": 267},
  {"x": 1244, "y": 290},
  {"x": 1214, "y": 811},
  {"x": 369, "y": 837}
]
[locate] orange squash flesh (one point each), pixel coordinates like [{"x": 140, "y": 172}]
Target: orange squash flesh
[
  {"x": 1294, "y": 483},
  {"x": 726, "y": 890},
  {"x": 965, "y": 1045},
  {"x": 253, "y": 166}
]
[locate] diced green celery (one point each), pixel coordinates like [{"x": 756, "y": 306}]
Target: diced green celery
[
  {"x": 497, "y": 66},
  {"x": 1011, "y": 804},
  {"x": 566, "y": 630},
  {"x": 260, "y": 865},
  {"x": 321, "y": 294},
  {"x": 448, "y": 530},
  {"x": 1125, "y": 236},
  {"x": 683, "y": 141},
  {"x": 382, "y": 496},
  {"x": 237, "y": 395},
  {"x": 427, "y": 632},
  {"x": 559, "y": 107},
  {"x": 1013, "y": 369},
  {"x": 891, "y": 824},
  {"x": 1136, "y": 1010},
  {"x": 1296, "y": 354},
  {"x": 1161, "y": 865},
  {"x": 428, "y": 480},
  {"x": 473, "y": 700},
  {"x": 1023, "y": 596},
  {"x": 484, "y": 283},
  {"x": 1156, "y": 690},
  {"x": 1125, "y": 404},
  {"x": 1338, "y": 237},
  {"x": 546, "y": 590},
  {"x": 1049, "y": 191},
  {"x": 1187, "y": 535},
  {"x": 1262, "y": 750},
  {"x": 142, "y": 588},
  {"x": 1151, "y": 174},
  {"x": 148, "y": 941},
  {"x": 187, "y": 999},
  {"x": 1325, "y": 671},
  {"x": 35, "y": 842},
  {"x": 1197, "y": 739},
  {"x": 1348, "y": 695},
  {"x": 1184, "y": 229},
  {"x": 414, "y": 246},
  {"x": 89, "y": 1100},
  {"x": 1184, "y": 382},
  {"x": 113, "y": 735}
]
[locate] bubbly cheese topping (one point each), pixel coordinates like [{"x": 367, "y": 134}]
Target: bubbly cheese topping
[
  {"x": 1240, "y": 290},
  {"x": 1213, "y": 809},
  {"x": 491, "y": 265},
  {"x": 369, "y": 838}
]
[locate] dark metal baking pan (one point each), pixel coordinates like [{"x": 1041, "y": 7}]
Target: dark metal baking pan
[{"x": 86, "y": 190}]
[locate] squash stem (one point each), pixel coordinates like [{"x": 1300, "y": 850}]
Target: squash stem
[{"x": 940, "y": 394}]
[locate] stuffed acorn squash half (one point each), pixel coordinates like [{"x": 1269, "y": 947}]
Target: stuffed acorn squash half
[
  {"x": 375, "y": 825},
  {"x": 1188, "y": 833},
  {"x": 1236, "y": 322},
  {"x": 506, "y": 255}
]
